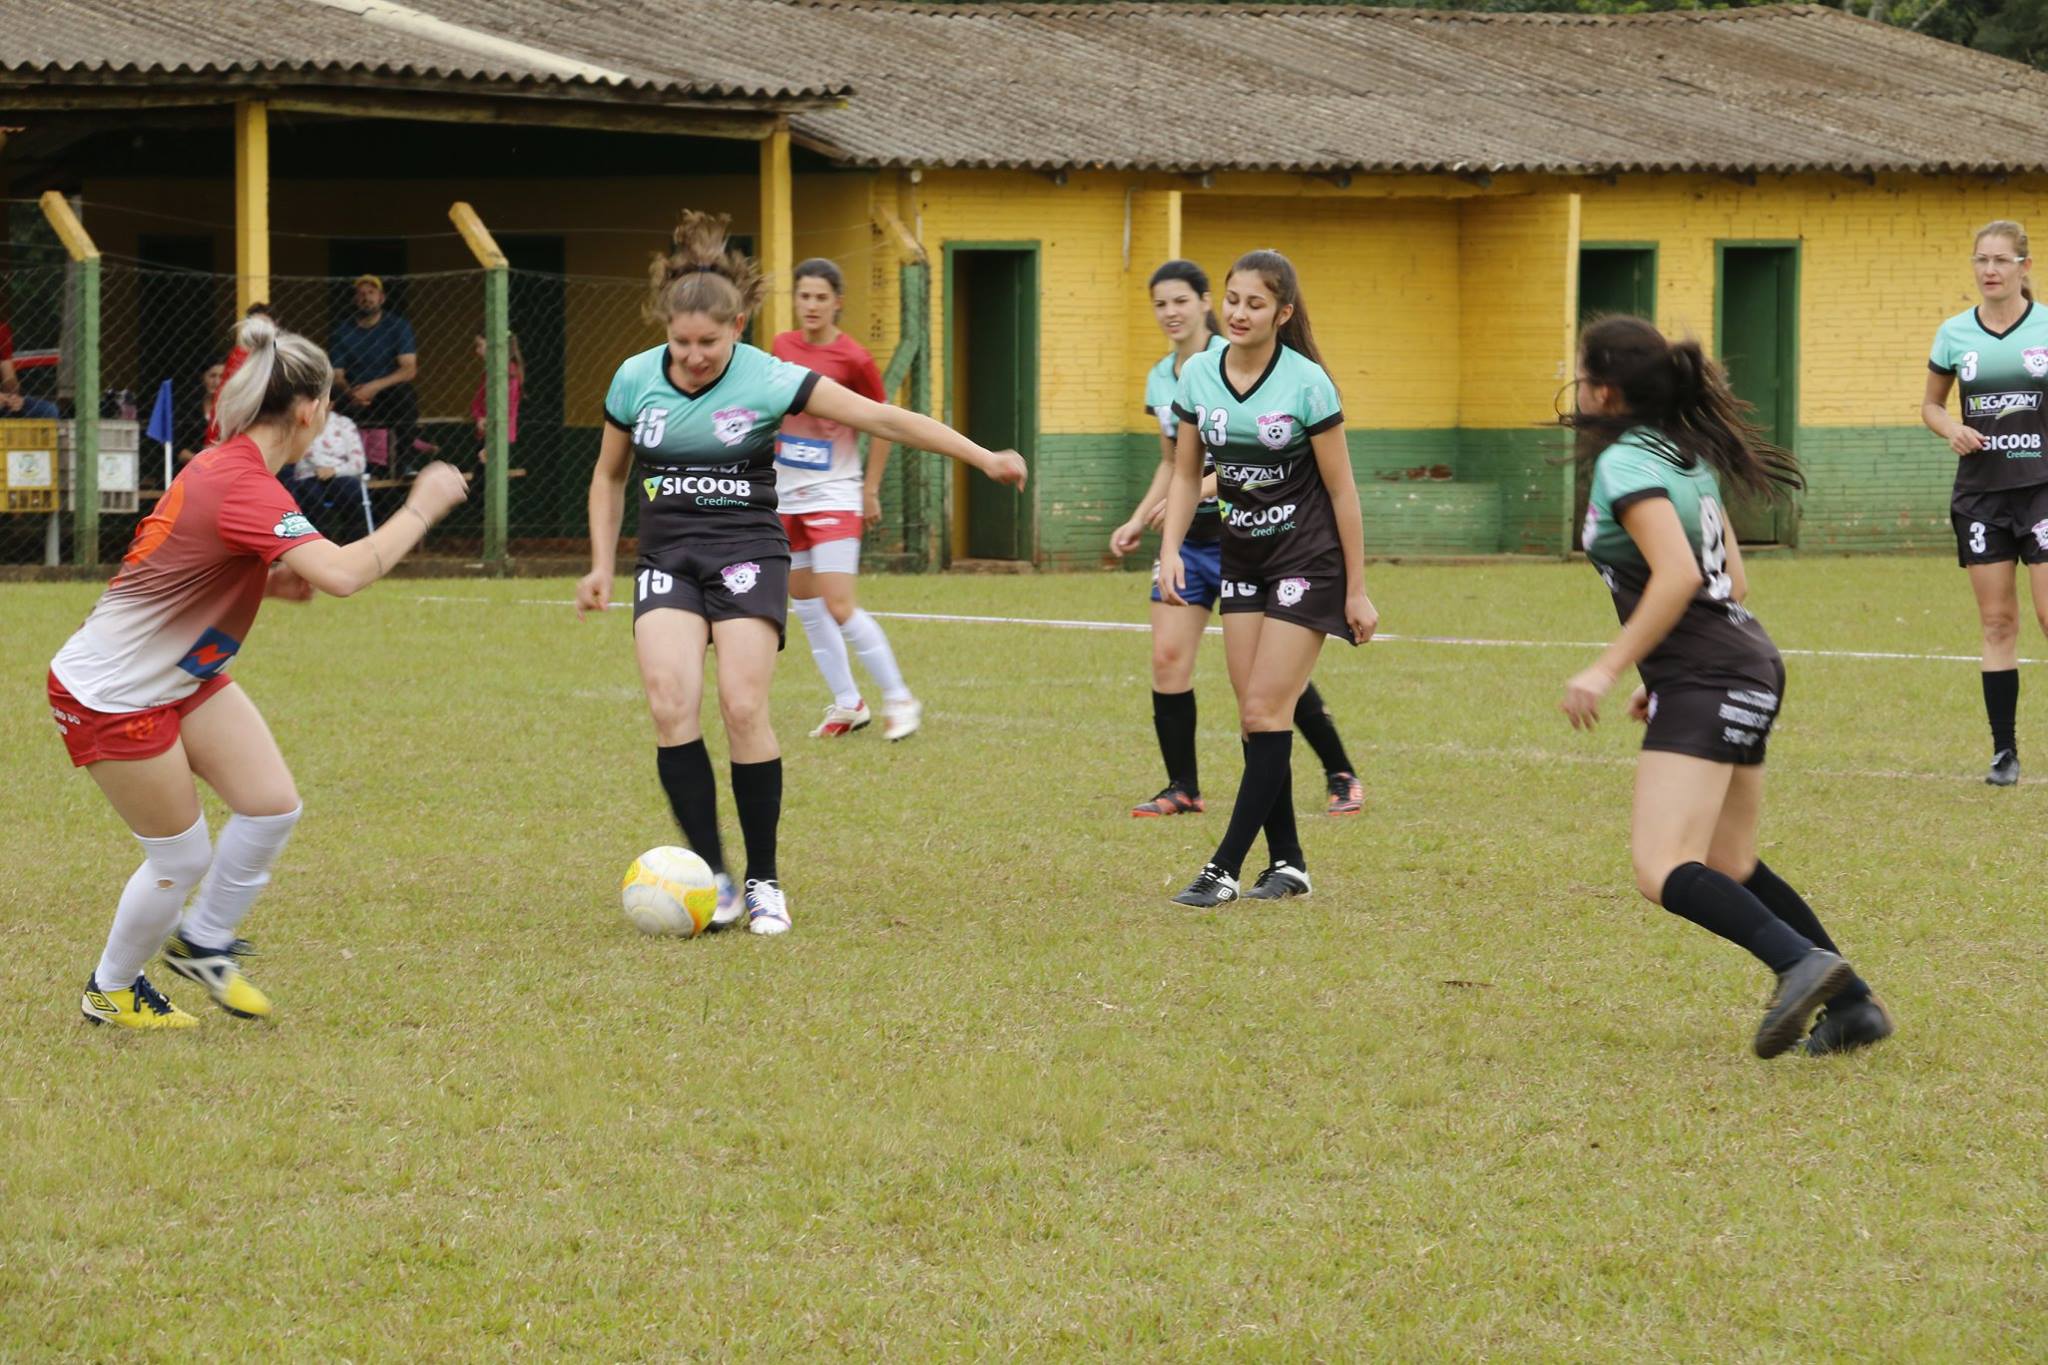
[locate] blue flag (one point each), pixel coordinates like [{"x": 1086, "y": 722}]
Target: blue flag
[{"x": 160, "y": 421}]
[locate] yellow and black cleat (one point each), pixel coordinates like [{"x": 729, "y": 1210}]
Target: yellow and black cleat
[
  {"x": 138, "y": 1006},
  {"x": 219, "y": 970}
]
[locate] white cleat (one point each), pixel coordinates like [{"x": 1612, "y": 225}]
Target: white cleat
[
  {"x": 731, "y": 904},
  {"x": 767, "y": 909},
  {"x": 843, "y": 720},
  {"x": 900, "y": 719}
]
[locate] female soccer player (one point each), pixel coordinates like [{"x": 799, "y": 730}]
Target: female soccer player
[
  {"x": 1180, "y": 304},
  {"x": 825, "y": 500},
  {"x": 1293, "y": 564},
  {"x": 1661, "y": 429},
  {"x": 699, "y": 415},
  {"x": 142, "y": 696},
  {"x": 1999, "y": 352}
]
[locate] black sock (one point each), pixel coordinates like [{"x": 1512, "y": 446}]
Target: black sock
[
  {"x": 1312, "y": 718},
  {"x": 757, "y": 793},
  {"x": 1283, "y": 840},
  {"x": 1789, "y": 906},
  {"x": 693, "y": 795},
  {"x": 2002, "y": 704},
  {"x": 1717, "y": 904},
  {"x": 1266, "y": 765},
  {"x": 1173, "y": 716}
]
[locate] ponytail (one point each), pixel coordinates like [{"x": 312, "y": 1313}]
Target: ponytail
[
  {"x": 1285, "y": 286},
  {"x": 282, "y": 368},
  {"x": 700, "y": 273},
  {"x": 1683, "y": 396},
  {"x": 1195, "y": 278}
]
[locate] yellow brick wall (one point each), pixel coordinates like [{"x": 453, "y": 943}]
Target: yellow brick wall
[
  {"x": 1880, "y": 266},
  {"x": 1382, "y": 280},
  {"x": 1519, "y": 269}
]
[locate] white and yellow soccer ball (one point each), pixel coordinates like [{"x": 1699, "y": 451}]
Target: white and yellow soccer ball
[{"x": 669, "y": 890}]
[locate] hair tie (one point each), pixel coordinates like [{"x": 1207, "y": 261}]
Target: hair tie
[{"x": 699, "y": 270}]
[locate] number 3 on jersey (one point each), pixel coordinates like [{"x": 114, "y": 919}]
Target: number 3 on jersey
[
  {"x": 655, "y": 583},
  {"x": 1714, "y": 551},
  {"x": 1213, "y": 423}
]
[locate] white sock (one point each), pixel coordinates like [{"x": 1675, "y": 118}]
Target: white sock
[
  {"x": 828, "y": 648},
  {"x": 241, "y": 868},
  {"x": 150, "y": 904},
  {"x": 864, "y": 633}
]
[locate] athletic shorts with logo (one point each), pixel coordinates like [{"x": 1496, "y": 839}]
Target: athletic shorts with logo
[
  {"x": 717, "y": 582},
  {"x": 2002, "y": 526},
  {"x": 1727, "y": 721},
  {"x": 1309, "y": 592},
  {"x": 123, "y": 736},
  {"x": 1201, "y": 564}
]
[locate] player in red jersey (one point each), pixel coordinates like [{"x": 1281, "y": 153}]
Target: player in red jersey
[
  {"x": 825, "y": 500},
  {"x": 143, "y": 699}
]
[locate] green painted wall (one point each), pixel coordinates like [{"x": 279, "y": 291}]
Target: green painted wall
[{"x": 1875, "y": 489}]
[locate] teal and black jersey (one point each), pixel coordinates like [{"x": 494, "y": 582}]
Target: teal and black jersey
[
  {"x": 1276, "y": 512},
  {"x": 2004, "y": 381},
  {"x": 1717, "y": 640},
  {"x": 1160, "y": 385},
  {"x": 704, "y": 463}
]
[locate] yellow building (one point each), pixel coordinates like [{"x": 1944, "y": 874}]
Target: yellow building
[{"x": 1795, "y": 187}]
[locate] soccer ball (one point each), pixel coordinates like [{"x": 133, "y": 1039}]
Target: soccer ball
[{"x": 669, "y": 890}]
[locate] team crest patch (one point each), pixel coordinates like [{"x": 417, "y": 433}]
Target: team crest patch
[
  {"x": 731, "y": 425},
  {"x": 292, "y": 526},
  {"x": 1276, "y": 430},
  {"x": 740, "y": 578},
  {"x": 2040, "y": 529},
  {"x": 2035, "y": 358},
  {"x": 1290, "y": 590}
]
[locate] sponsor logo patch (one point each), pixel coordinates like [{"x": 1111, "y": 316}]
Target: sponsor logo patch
[
  {"x": 1999, "y": 404},
  {"x": 292, "y": 527},
  {"x": 211, "y": 654},
  {"x": 740, "y": 578},
  {"x": 653, "y": 487},
  {"x": 731, "y": 425}
]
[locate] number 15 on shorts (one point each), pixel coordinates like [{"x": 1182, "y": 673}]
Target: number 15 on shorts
[{"x": 655, "y": 583}]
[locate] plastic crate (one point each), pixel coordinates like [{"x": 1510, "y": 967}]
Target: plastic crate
[
  {"x": 120, "y": 464},
  {"x": 28, "y": 466}
]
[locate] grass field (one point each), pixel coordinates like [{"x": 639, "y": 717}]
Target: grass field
[{"x": 994, "y": 1097}]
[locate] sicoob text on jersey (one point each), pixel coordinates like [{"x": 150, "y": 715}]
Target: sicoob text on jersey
[{"x": 724, "y": 485}]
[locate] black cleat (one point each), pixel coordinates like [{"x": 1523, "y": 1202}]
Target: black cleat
[
  {"x": 1211, "y": 887},
  {"x": 1852, "y": 1026},
  {"x": 1279, "y": 882},
  {"x": 1801, "y": 988},
  {"x": 2005, "y": 769}
]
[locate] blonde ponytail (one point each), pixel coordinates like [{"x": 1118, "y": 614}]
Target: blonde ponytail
[{"x": 281, "y": 368}]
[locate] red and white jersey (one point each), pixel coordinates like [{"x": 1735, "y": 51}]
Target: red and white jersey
[
  {"x": 189, "y": 588},
  {"x": 817, "y": 463}
]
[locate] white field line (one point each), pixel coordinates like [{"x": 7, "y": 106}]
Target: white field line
[{"x": 1385, "y": 637}]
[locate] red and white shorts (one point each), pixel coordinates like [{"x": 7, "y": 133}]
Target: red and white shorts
[
  {"x": 122, "y": 736},
  {"x": 828, "y": 542}
]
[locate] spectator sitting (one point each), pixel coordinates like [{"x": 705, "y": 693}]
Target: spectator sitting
[
  {"x": 192, "y": 434},
  {"x": 331, "y": 473},
  {"x": 516, "y": 373},
  {"x": 13, "y": 402},
  {"x": 376, "y": 361}
]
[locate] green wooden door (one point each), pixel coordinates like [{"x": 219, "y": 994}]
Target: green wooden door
[
  {"x": 1757, "y": 322},
  {"x": 997, "y": 321},
  {"x": 1612, "y": 279}
]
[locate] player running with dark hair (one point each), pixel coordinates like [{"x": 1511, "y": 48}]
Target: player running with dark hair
[
  {"x": 826, "y": 498},
  {"x": 1293, "y": 565},
  {"x": 1661, "y": 429},
  {"x": 1998, "y": 352},
  {"x": 698, "y": 415},
  {"x": 1180, "y": 304},
  {"x": 142, "y": 694}
]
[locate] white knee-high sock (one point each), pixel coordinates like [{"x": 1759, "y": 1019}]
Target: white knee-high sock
[
  {"x": 864, "y": 633},
  {"x": 828, "y": 647},
  {"x": 150, "y": 904},
  {"x": 241, "y": 868}
]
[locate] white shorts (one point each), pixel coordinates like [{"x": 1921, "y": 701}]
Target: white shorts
[{"x": 833, "y": 556}]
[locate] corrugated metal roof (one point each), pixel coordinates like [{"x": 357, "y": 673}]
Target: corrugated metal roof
[{"x": 1197, "y": 87}]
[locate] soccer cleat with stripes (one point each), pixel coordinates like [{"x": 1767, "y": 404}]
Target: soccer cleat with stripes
[
  {"x": 1174, "y": 800},
  {"x": 220, "y": 971},
  {"x": 1211, "y": 887},
  {"x": 139, "y": 1006},
  {"x": 1347, "y": 794},
  {"x": 2005, "y": 769},
  {"x": 901, "y": 719},
  {"x": 843, "y": 720},
  {"x": 1282, "y": 881},
  {"x": 767, "y": 908}
]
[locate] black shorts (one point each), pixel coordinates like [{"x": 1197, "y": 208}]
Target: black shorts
[
  {"x": 2000, "y": 527},
  {"x": 718, "y": 583},
  {"x": 1721, "y": 722},
  {"x": 1310, "y": 595}
]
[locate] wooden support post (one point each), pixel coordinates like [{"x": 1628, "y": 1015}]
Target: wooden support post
[
  {"x": 497, "y": 374},
  {"x": 252, "y": 204},
  {"x": 777, "y": 247},
  {"x": 85, "y": 431}
]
